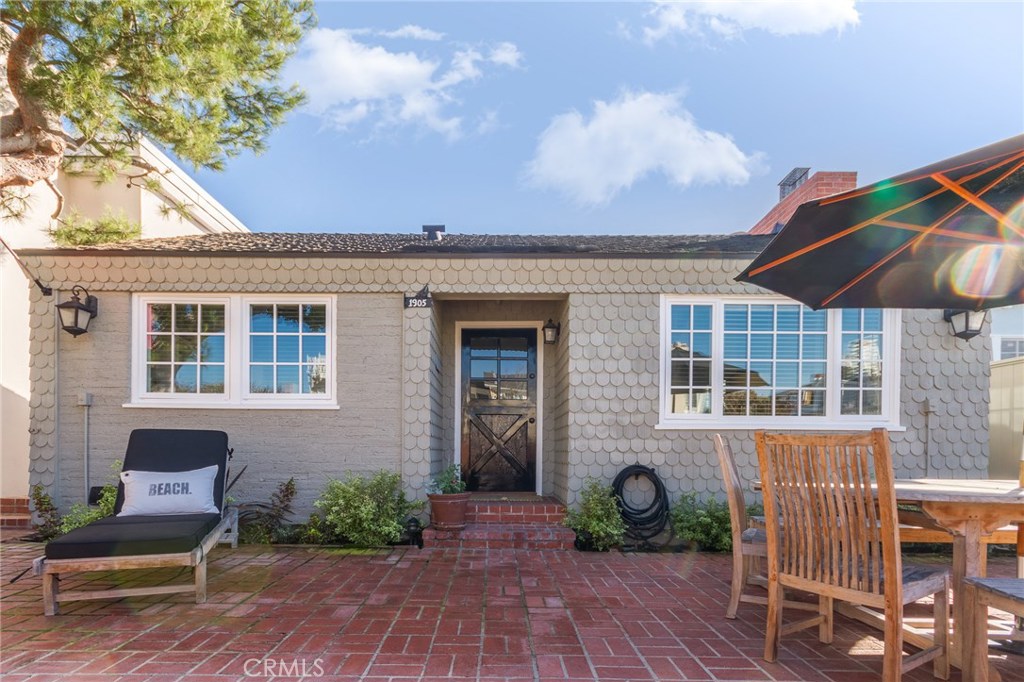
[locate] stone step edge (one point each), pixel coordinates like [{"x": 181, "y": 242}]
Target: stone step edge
[
  {"x": 15, "y": 521},
  {"x": 508, "y": 536}
]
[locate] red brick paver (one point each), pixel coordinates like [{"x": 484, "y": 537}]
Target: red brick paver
[{"x": 292, "y": 613}]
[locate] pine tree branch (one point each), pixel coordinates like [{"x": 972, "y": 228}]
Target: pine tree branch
[{"x": 60, "y": 198}]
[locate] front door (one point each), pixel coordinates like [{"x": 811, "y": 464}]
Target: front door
[{"x": 499, "y": 409}]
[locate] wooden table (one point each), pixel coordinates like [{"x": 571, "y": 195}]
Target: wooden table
[{"x": 969, "y": 509}]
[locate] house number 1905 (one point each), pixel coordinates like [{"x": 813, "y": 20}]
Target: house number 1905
[{"x": 418, "y": 302}]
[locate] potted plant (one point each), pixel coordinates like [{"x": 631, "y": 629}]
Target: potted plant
[{"x": 448, "y": 499}]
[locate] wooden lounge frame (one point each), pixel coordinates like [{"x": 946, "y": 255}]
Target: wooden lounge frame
[
  {"x": 109, "y": 544},
  {"x": 51, "y": 569}
]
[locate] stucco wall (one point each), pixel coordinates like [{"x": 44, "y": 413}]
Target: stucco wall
[
  {"x": 309, "y": 445},
  {"x": 602, "y": 378}
]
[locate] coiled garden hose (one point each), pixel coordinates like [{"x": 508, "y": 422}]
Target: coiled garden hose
[{"x": 642, "y": 524}]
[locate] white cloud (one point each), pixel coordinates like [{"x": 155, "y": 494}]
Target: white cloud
[
  {"x": 412, "y": 32},
  {"x": 730, "y": 18},
  {"x": 638, "y": 134},
  {"x": 350, "y": 81},
  {"x": 506, "y": 54}
]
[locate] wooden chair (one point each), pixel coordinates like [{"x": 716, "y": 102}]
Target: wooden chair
[
  {"x": 841, "y": 541},
  {"x": 1006, "y": 594},
  {"x": 749, "y": 539}
]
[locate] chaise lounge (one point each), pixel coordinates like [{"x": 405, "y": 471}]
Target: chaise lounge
[{"x": 169, "y": 512}]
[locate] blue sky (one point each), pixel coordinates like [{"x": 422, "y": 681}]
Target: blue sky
[{"x": 618, "y": 118}]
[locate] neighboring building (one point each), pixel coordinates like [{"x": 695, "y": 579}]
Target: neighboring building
[
  {"x": 1007, "y": 332},
  {"x": 797, "y": 188},
  {"x": 81, "y": 193},
  {"x": 312, "y": 352},
  {"x": 1007, "y": 418}
]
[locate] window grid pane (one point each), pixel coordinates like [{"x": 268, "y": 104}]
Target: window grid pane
[
  {"x": 180, "y": 336},
  {"x": 861, "y": 362},
  {"x": 775, "y": 360},
  {"x": 288, "y": 349},
  {"x": 691, "y": 358}
]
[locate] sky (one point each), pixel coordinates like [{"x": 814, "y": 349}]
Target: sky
[{"x": 617, "y": 118}]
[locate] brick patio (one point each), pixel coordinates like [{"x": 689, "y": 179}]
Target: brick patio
[{"x": 423, "y": 615}]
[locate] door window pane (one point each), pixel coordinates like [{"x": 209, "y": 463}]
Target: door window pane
[{"x": 513, "y": 369}]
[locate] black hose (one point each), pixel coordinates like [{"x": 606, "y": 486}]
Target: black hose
[{"x": 647, "y": 523}]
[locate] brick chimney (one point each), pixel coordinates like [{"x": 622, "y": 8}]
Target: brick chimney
[{"x": 796, "y": 188}]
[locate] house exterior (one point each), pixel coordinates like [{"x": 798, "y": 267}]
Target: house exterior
[
  {"x": 315, "y": 354},
  {"x": 151, "y": 210}
]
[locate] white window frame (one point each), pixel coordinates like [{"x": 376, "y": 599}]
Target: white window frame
[
  {"x": 236, "y": 356},
  {"x": 832, "y": 421}
]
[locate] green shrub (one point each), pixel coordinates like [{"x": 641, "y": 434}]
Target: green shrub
[
  {"x": 263, "y": 523},
  {"x": 598, "y": 522},
  {"x": 82, "y": 514},
  {"x": 316, "y": 531},
  {"x": 706, "y": 523},
  {"x": 42, "y": 503},
  {"x": 366, "y": 512}
]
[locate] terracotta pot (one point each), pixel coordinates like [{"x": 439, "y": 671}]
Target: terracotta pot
[{"x": 448, "y": 512}]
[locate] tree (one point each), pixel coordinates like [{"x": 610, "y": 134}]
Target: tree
[{"x": 200, "y": 77}]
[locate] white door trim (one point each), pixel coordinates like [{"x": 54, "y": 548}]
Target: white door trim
[{"x": 539, "y": 440}]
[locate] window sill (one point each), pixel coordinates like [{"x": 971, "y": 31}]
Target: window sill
[
  {"x": 251, "y": 405},
  {"x": 739, "y": 424}
]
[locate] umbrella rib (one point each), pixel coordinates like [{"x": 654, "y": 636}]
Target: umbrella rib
[
  {"x": 843, "y": 233},
  {"x": 976, "y": 200},
  {"x": 977, "y": 238},
  {"x": 933, "y": 228},
  {"x": 875, "y": 220},
  {"x": 889, "y": 185}
]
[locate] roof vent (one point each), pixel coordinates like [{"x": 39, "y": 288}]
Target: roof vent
[
  {"x": 794, "y": 179},
  {"x": 433, "y": 232}
]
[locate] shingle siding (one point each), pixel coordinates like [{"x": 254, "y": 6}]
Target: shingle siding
[{"x": 396, "y": 370}]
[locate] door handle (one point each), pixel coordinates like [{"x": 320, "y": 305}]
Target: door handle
[
  {"x": 532, "y": 420},
  {"x": 533, "y": 376}
]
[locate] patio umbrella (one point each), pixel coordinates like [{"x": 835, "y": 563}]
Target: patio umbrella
[{"x": 949, "y": 235}]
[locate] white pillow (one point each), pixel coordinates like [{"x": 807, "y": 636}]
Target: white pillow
[{"x": 175, "y": 492}]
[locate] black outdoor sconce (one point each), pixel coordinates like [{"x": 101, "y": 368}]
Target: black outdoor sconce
[
  {"x": 965, "y": 324},
  {"x": 75, "y": 315},
  {"x": 552, "y": 331}
]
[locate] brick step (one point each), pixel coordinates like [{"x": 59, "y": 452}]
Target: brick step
[
  {"x": 18, "y": 521},
  {"x": 525, "y": 510},
  {"x": 504, "y": 536}
]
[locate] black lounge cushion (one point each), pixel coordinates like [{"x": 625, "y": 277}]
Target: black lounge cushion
[
  {"x": 134, "y": 535},
  {"x": 176, "y": 450}
]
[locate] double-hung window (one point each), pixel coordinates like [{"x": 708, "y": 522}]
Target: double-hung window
[
  {"x": 770, "y": 362},
  {"x": 194, "y": 350}
]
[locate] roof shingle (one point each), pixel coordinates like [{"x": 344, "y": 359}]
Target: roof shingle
[{"x": 388, "y": 244}]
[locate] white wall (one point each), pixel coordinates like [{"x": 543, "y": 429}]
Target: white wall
[{"x": 91, "y": 200}]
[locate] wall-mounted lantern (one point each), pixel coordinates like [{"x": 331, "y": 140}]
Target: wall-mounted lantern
[
  {"x": 76, "y": 315},
  {"x": 965, "y": 324},
  {"x": 552, "y": 331}
]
